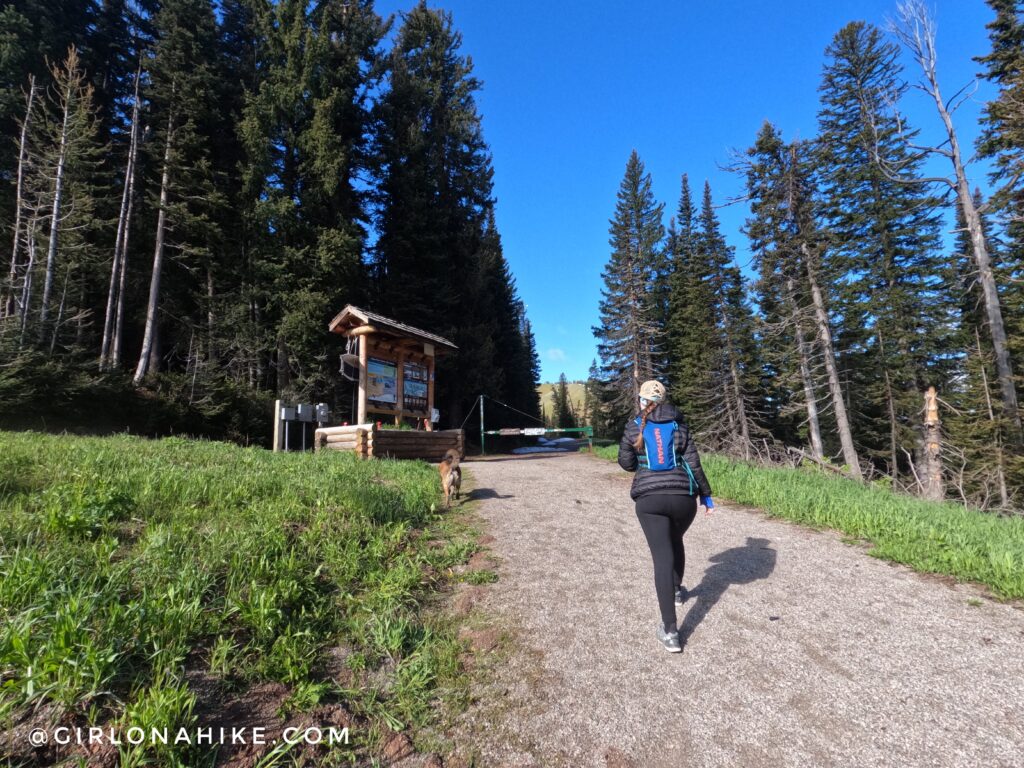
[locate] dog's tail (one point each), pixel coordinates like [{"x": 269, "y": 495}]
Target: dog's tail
[{"x": 452, "y": 458}]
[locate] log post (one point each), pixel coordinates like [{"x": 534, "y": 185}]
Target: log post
[
  {"x": 430, "y": 389},
  {"x": 277, "y": 426},
  {"x": 364, "y": 361},
  {"x": 399, "y": 387},
  {"x": 933, "y": 485}
]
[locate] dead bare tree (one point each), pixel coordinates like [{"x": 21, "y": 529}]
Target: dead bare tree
[
  {"x": 67, "y": 98},
  {"x": 149, "y": 336},
  {"x": 742, "y": 420},
  {"x": 801, "y": 224},
  {"x": 62, "y": 153},
  {"x": 810, "y": 400},
  {"x": 828, "y": 349},
  {"x": 915, "y": 28},
  {"x": 795, "y": 325},
  {"x": 110, "y": 349},
  {"x": 1004, "y": 496},
  {"x": 8, "y": 306},
  {"x": 26, "y": 285}
]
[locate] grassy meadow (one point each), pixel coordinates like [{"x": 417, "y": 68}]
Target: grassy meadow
[
  {"x": 130, "y": 569},
  {"x": 928, "y": 536}
]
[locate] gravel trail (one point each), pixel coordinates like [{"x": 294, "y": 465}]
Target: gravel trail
[{"x": 800, "y": 650}]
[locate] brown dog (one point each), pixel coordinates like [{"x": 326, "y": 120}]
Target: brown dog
[{"x": 451, "y": 476}]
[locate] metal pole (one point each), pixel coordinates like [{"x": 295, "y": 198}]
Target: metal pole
[{"x": 482, "y": 425}]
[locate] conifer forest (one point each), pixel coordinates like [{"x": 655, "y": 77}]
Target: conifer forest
[
  {"x": 191, "y": 189},
  {"x": 861, "y": 339}
]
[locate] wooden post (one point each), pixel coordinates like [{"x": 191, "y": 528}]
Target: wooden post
[
  {"x": 364, "y": 360},
  {"x": 400, "y": 387},
  {"x": 430, "y": 390},
  {"x": 933, "y": 486},
  {"x": 277, "y": 426}
]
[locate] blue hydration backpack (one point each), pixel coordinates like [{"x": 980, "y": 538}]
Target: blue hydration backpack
[
  {"x": 659, "y": 445},
  {"x": 660, "y": 449}
]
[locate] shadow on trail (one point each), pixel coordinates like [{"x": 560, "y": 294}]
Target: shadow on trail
[
  {"x": 486, "y": 493},
  {"x": 739, "y": 565},
  {"x": 516, "y": 457}
]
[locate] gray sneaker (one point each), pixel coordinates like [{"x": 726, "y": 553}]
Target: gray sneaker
[
  {"x": 668, "y": 639},
  {"x": 681, "y": 595}
]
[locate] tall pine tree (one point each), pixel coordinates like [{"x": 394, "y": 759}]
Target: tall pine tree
[
  {"x": 783, "y": 329},
  {"x": 691, "y": 318},
  {"x": 629, "y": 338},
  {"x": 186, "y": 192},
  {"x": 980, "y": 461},
  {"x": 437, "y": 259},
  {"x": 1002, "y": 140},
  {"x": 883, "y": 260}
]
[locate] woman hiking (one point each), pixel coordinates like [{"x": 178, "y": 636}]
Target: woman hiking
[{"x": 658, "y": 447}]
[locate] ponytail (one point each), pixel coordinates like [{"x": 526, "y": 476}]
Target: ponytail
[{"x": 639, "y": 443}]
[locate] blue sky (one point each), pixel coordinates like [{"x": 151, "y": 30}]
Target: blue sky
[{"x": 571, "y": 88}]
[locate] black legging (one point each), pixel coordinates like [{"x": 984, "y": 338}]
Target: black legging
[{"x": 665, "y": 518}]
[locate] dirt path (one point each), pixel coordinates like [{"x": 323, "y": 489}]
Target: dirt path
[{"x": 800, "y": 649}]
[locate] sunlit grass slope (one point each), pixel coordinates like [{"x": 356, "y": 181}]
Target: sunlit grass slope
[
  {"x": 928, "y": 536},
  {"x": 126, "y": 562}
]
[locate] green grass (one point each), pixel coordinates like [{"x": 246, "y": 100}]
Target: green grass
[
  {"x": 124, "y": 562},
  {"x": 931, "y": 537}
]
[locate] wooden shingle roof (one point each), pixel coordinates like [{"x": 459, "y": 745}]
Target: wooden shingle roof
[{"x": 352, "y": 317}]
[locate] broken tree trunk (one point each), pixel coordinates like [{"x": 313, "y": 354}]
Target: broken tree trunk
[
  {"x": 917, "y": 32},
  {"x": 932, "y": 449}
]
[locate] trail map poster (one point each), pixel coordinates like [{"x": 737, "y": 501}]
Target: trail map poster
[
  {"x": 382, "y": 381},
  {"x": 414, "y": 387}
]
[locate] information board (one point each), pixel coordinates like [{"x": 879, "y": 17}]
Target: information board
[{"x": 381, "y": 381}]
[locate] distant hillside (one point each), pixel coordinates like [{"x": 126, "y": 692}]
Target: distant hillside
[{"x": 577, "y": 391}]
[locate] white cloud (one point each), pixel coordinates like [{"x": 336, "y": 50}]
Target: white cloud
[{"x": 556, "y": 355}]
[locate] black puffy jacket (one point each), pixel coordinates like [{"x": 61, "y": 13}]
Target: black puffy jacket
[{"x": 672, "y": 480}]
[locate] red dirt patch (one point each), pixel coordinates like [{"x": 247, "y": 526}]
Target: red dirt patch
[
  {"x": 616, "y": 758},
  {"x": 397, "y": 747},
  {"x": 466, "y": 599},
  {"x": 481, "y": 640}
]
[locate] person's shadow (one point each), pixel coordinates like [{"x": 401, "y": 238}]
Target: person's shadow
[
  {"x": 739, "y": 565},
  {"x": 486, "y": 493}
]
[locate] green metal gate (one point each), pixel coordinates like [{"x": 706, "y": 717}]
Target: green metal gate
[{"x": 527, "y": 431}]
